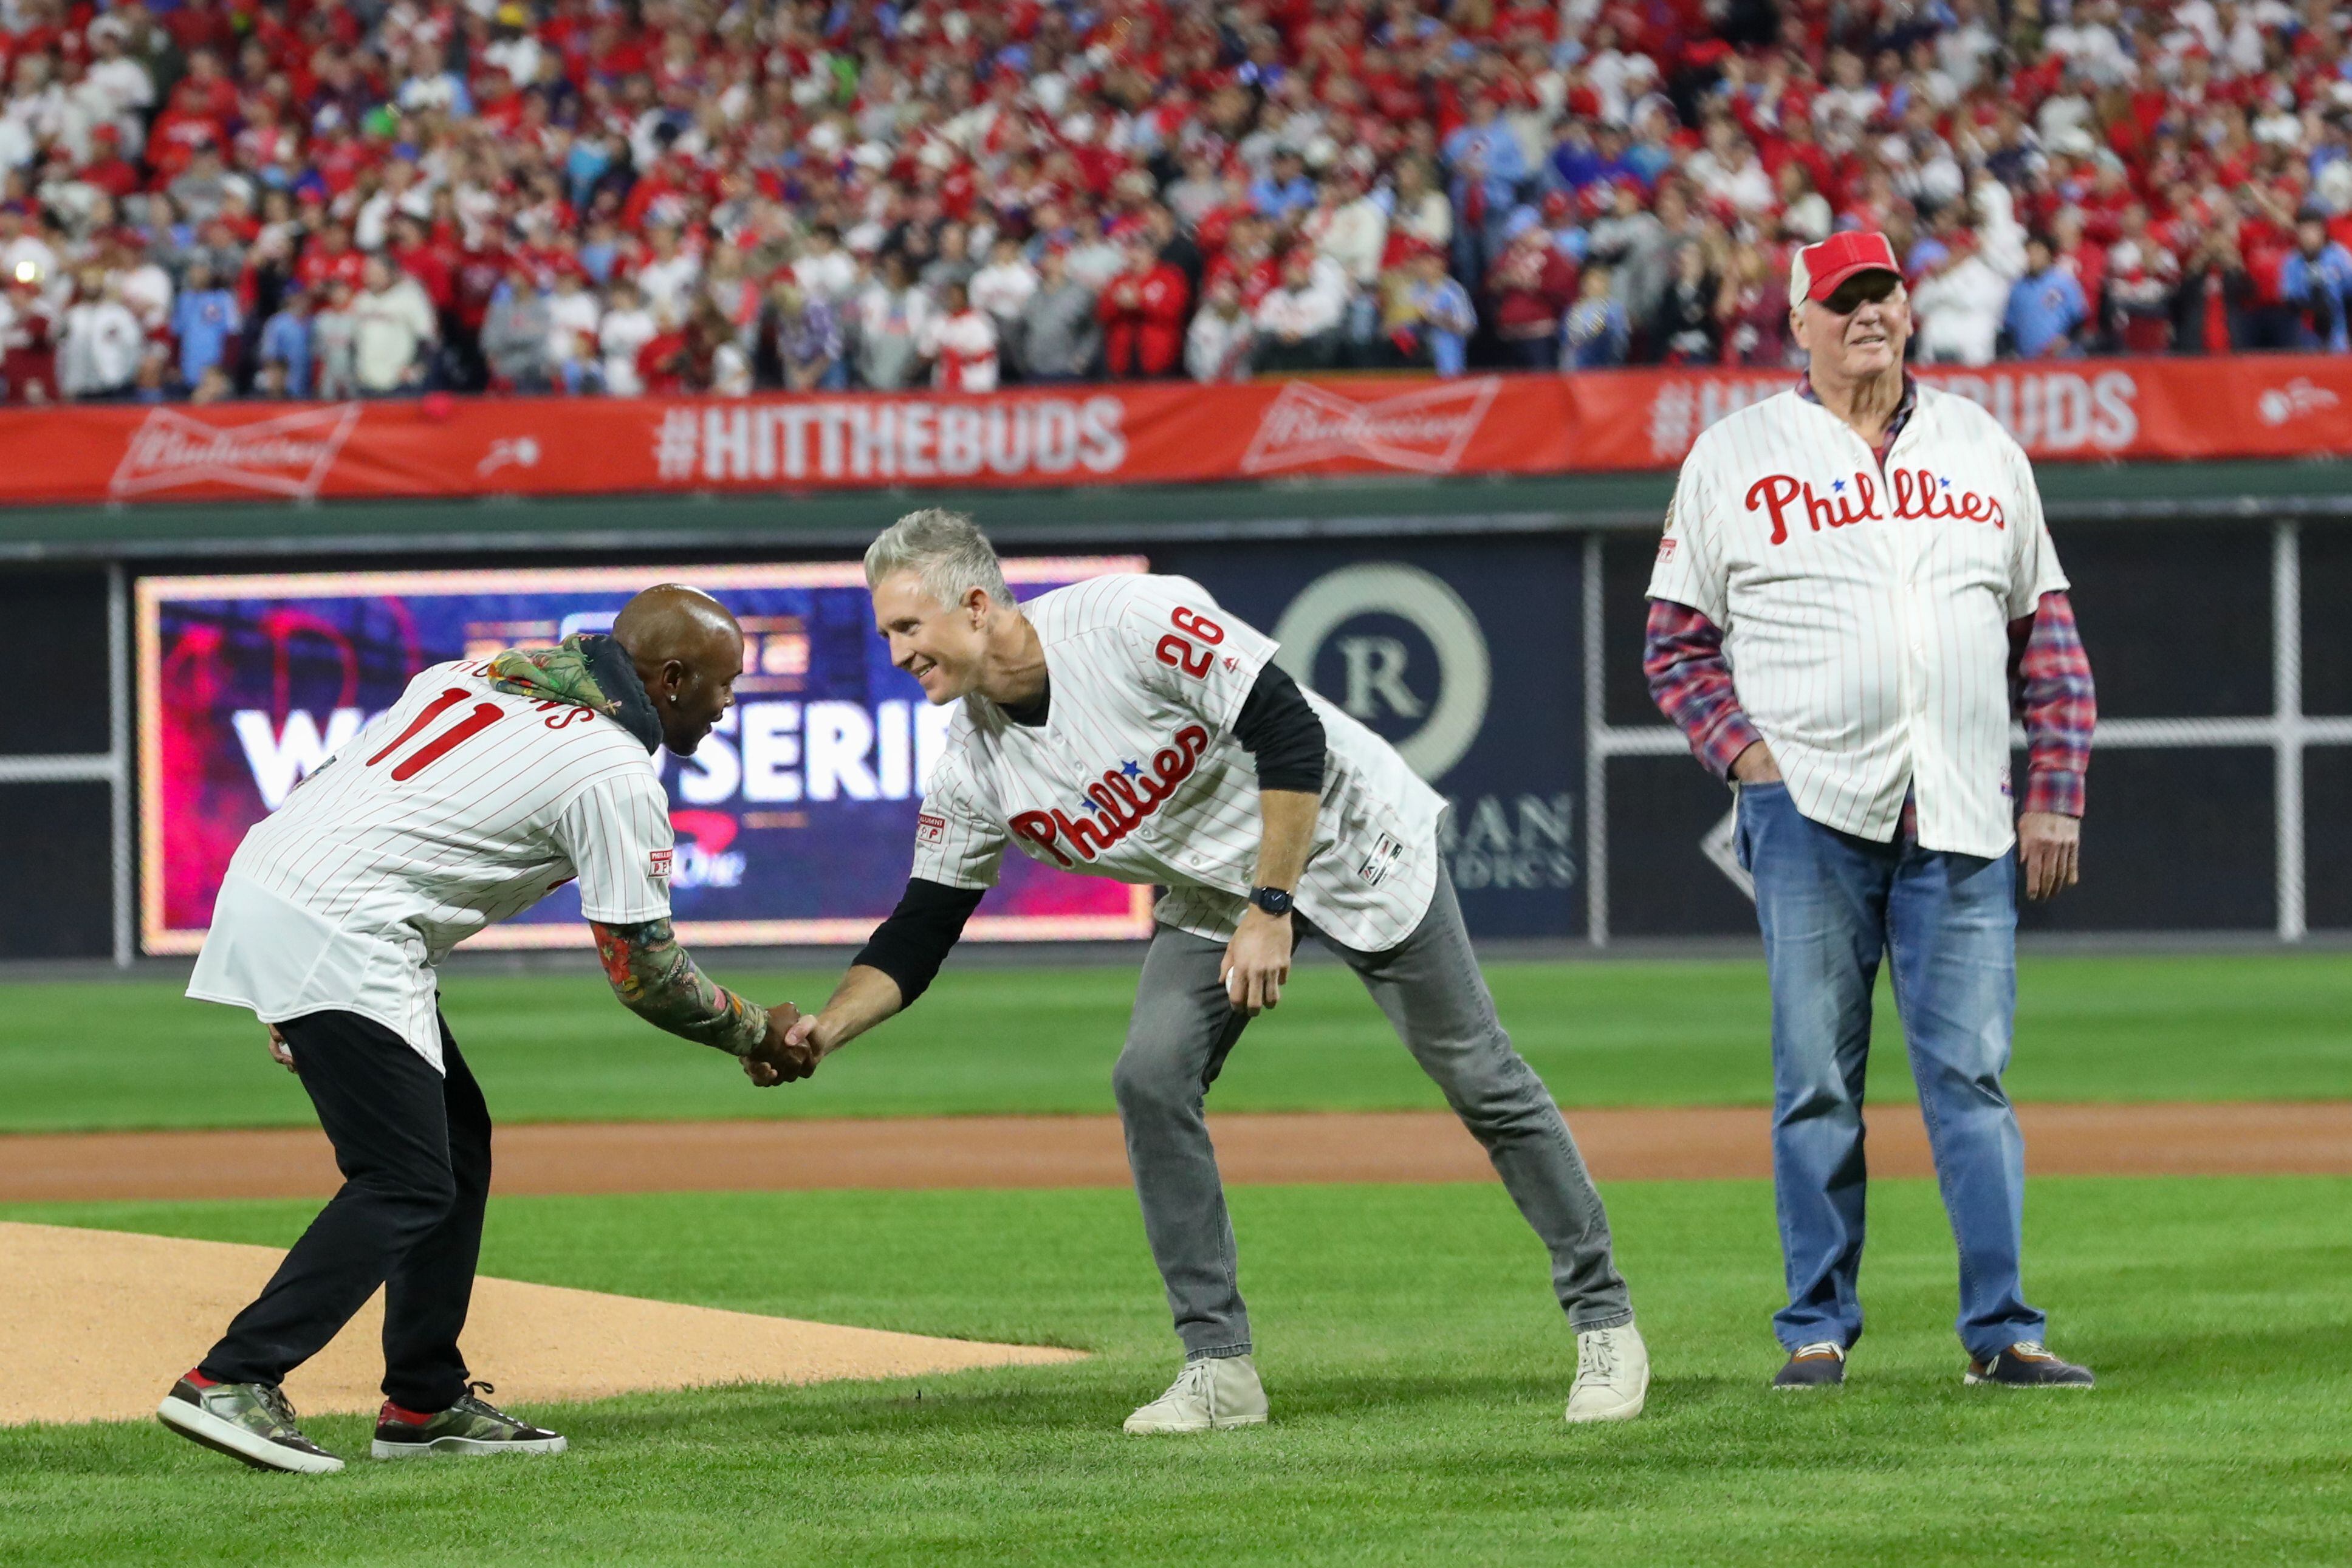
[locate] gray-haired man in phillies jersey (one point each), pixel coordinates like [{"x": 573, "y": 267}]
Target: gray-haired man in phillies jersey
[
  {"x": 1853, "y": 586},
  {"x": 1127, "y": 727},
  {"x": 491, "y": 783}
]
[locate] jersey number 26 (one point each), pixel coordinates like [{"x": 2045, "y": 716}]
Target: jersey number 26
[{"x": 1178, "y": 654}]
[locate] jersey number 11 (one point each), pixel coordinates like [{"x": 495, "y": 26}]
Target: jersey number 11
[{"x": 484, "y": 716}]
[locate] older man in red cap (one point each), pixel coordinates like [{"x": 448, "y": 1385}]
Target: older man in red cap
[{"x": 1868, "y": 556}]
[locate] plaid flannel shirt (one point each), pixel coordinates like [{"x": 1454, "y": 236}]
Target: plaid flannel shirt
[{"x": 2049, "y": 676}]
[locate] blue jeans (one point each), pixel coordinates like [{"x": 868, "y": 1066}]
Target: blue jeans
[{"x": 1831, "y": 905}]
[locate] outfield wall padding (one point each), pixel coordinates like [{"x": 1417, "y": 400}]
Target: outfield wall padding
[{"x": 2219, "y": 796}]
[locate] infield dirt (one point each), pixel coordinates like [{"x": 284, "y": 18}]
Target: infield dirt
[{"x": 1623, "y": 1144}]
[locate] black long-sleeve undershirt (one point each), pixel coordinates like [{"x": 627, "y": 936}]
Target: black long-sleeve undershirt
[
  {"x": 1277, "y": 725},
  {"x": 911, "y": 945}
]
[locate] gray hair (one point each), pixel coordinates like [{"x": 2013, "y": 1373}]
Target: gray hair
[{"x": 946, "y": 551}]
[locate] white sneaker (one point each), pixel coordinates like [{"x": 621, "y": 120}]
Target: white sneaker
[
  {"x": 1214, "y": 1394},
  {"x": 1612, "y": 1375}
]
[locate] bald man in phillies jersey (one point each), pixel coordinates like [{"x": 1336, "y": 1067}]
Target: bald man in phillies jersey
[
  {"x": 1853, "y": 592},
  {"x": 491, "y": 783},
  {"x": 1128, "y": 728}
]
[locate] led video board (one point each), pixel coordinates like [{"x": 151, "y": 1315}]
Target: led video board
[{"x": 795, "y": 820}]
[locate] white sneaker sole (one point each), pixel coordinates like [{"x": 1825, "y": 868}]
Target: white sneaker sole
[
  {"x": 1620, "y": 1412},
  {"x": 1140, "y": 1428},
  {"x": 463, "y": 1448},
  {"x": 200, "y": 1425}
]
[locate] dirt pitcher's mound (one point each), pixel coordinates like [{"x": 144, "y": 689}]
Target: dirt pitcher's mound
[{"x": 98, "y": 1324}]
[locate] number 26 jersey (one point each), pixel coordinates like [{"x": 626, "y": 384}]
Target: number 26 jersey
[
  {"x": 1135, "y": 774},
  {"x": 459, "y": 806}
]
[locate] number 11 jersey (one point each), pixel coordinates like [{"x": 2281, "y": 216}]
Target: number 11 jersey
[{"x": 459, "y": 806}]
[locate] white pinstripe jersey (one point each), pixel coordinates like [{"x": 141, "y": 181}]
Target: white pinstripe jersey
[
  {"x": 1865, "y": 610},
  {"x": 1136, "y": 775},
  {"x": 458, "y": 807}
]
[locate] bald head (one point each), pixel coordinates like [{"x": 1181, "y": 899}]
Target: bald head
[
  {"x": 687, "y": 650},
  {"x": 670, "y": 621}
]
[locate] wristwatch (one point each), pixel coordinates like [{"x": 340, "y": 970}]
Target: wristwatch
[{"x": 1275, "y": 901}]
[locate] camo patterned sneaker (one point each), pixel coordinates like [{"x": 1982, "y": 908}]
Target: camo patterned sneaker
[
  {"x": 471, "y": 1425},
  {"x": 248, "y": 1421},
  {"x": 2027, "y": 1365}
]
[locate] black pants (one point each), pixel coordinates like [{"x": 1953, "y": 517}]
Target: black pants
[{"x": 413, "y": 1147}]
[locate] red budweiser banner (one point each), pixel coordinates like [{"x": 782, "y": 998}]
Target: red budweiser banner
[{"x": 2083, "y": 410}]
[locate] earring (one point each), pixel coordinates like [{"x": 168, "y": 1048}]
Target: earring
[{"x": 673, "y": 702}]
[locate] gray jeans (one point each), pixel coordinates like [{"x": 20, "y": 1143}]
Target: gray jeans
[{"x": 1430, "y": 989}]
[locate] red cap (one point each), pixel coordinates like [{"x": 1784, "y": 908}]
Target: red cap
[{"x": 1819, "y": 268}]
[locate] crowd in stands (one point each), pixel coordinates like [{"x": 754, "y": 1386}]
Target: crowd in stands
[{"x": 327, "y": 198}]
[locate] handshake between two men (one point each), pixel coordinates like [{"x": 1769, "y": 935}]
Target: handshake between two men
[
  {"x": 789, "y": 1052},
  {"x": 794, "y": 1042}
]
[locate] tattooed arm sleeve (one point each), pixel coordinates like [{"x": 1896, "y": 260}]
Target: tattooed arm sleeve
[{"x": 658, "y": 980}]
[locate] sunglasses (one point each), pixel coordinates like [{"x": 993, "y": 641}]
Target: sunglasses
[{"x": 1861, "y": 288}]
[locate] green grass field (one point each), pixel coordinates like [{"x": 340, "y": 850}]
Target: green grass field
[
  {"x": 1417, "y": 1365},
  {"x": 557, "y": 1047},
  {"x": 1417, "y": 1368}
]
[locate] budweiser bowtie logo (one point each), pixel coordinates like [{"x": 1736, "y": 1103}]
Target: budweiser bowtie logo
[
  {"x": 2298, "y": 397},
  {"x": 1423, "y": 430},
  {"x": 288, "y": 456}
]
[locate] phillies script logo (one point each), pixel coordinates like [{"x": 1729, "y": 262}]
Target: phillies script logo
[
  {"x": 1918, "y": 493},
  {"x": 288, "y": 456},
  {"x": 1423, "y": 430},
  {"x": 1118, "y": 803}
]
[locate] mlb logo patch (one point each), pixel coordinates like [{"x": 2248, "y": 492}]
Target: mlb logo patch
[
  {"x": 1381, "y": 862},
  {"x": 660, "y": 862},
  {"x": 930, "y": 830}
]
